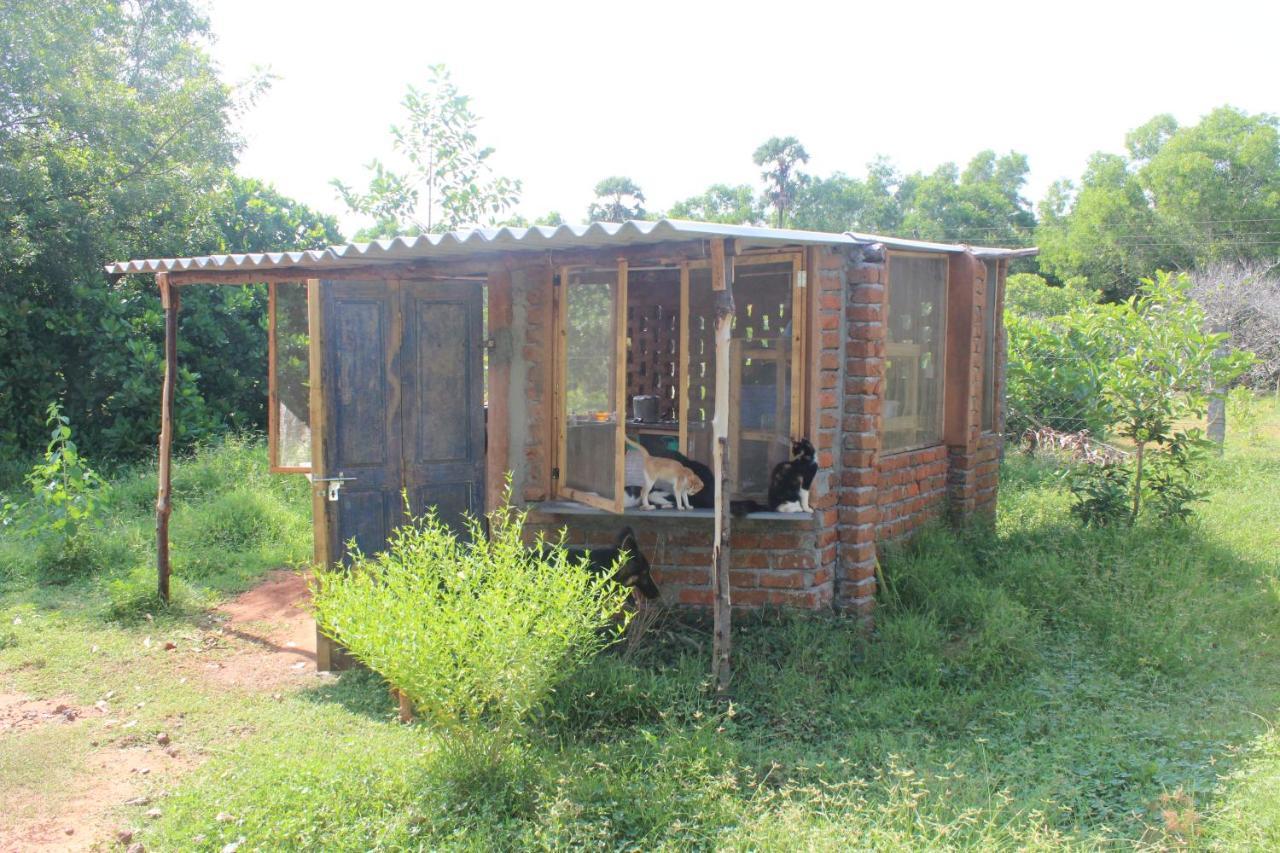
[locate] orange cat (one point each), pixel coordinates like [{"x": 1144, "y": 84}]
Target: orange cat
[{"x": 658, "y": 469}]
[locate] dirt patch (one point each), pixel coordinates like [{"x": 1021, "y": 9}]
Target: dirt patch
[
  {"x": 110, "y": 778},
  {"x": 261, "y": 640},
  {"x": 19, "y": 712},
  {"x": 274, "y": 634}
]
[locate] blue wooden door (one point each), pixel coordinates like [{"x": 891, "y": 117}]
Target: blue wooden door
[{"x": 403, "y": 405}]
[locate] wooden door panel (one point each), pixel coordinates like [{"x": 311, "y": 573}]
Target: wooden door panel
[
  {"x": 443, "y": 387},
  {"x": 441, "y": 340},
  {"x": 362, "y": 413}
]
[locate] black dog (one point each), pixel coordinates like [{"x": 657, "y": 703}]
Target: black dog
[{"x": 634, "y": 571}]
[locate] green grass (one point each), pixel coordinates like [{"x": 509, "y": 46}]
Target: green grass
[{"x": 1038, "y": 686}]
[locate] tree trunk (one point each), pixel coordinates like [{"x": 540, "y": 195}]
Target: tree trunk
[{"x": 1137, "y": 486}]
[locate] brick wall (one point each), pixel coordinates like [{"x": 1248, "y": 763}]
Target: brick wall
[
  {"x": 772, "y": 562},
  {"x": 912, "y": 490}
]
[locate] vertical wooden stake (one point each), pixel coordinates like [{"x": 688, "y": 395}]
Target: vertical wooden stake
[
  {"x": 722, "y": 286},
  {"x": 170, "y": 302}
]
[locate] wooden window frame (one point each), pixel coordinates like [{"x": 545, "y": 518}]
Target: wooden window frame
[
  {"x": 273, "y": 392},
  {"x": 560, "y": 400},
  {"x": 991, "y": 338},
  {"x": 889, "y": 353},
  {"x": 798, "y": 371}
]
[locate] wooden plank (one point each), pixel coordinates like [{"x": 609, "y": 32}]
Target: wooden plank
[
  {"x": 273, "y": 427},
  {"x": 721, "y": 603},
  {"x": 561, "y": 370},
  {"x": 799, "y": 321},
  {"x": 682, "y": 373},
  {"x": 320, "y": 550},
  {"x": 620, "y": 387},
  {"x": 498, "y": 426},
  {"x": 170, "y": 302}
]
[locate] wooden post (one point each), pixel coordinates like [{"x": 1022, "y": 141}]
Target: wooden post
[
  {"x": 722, "y": 286},
  {"x": 170, "y": 302}
]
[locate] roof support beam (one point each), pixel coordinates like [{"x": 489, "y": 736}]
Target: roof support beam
[
  {"x": 722, "y": 606},
  {"x": 170, "y": 302}
]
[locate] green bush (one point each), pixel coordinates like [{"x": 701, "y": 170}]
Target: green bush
[{"x": 475, "y": 629}]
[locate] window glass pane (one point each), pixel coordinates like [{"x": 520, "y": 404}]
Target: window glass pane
[
  {"x": 591, "y": 418},
  {"x": 913, "y": 352},
  {"x": 291, "y": 378},
  {"x": 991, "y": 347}
]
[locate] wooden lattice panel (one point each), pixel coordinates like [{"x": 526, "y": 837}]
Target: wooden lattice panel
[{"x": 653, "y": 343}]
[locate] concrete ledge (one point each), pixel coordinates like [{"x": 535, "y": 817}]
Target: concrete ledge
[{"x": 573, "y": 508}]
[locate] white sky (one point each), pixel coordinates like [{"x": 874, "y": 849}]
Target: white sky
[{"x": 678, "y": 95}]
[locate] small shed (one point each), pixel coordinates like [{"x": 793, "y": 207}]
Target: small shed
[{"x": 442, "y": 366}]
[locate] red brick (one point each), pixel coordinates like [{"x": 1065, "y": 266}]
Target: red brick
[
  {"x": 799, "y": 559},
  {"x": 782, "y": 580},
  {"x": 702, "y": 597},
  {"x": 864, "y": 274}
]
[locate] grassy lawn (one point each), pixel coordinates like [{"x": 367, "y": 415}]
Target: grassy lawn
[{"x": 1036, "y": 686}]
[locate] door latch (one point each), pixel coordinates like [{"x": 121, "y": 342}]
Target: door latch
[{"x": 335, "y": 484}]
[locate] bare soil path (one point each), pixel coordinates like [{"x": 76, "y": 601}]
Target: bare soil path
[{"x": 260, "y": 641}]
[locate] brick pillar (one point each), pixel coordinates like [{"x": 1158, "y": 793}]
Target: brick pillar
[
  {"x": 966, "y": 301},
  {"x": 864, "y": 332},
  {"x": 826, "y": 275}
]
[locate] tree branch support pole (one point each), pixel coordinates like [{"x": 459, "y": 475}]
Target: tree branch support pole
[
  {"x": 170, "y": 302},
  {"x": 722, "y": 286}
]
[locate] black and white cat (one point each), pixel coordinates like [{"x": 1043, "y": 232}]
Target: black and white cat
[{"x": 789, "y": 484}]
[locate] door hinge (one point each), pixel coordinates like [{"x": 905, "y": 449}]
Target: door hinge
[
  {"x": 490, "y": 343},
  {"x": 555, "y": 473}
]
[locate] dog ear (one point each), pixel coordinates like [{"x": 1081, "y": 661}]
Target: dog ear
[{"x": 627, "y": 540}]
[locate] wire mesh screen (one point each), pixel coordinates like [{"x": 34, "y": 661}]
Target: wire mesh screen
[
  {"x": 913, "y": 349},
  {"x": 989, "y": 344},
  {"x": 591, "y": 414},
  {"x": 291, "y": 378}
]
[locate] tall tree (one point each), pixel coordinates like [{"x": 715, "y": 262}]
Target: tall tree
[
  {"x": 721, "y": 203},
  {"x": 448, "y": 183},
  {"x": 1180, "y": 197},
  {"x": 618, "y": 199},
  {"x": 113, "y": 130},
  {"x": 780, "y": 157}
]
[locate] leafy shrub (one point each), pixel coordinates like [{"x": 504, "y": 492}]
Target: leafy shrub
[
  {"x": 64, "y": 489},
  {"x": 473, "y": 630},
  {"x": 1244, "y": 414},
  {"x": 1101, "y": 493}
]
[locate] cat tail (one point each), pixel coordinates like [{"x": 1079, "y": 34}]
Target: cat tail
[{"x": 740, "y": 508}]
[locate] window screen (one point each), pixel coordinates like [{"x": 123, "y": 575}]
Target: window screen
[
  {"x": 761, "y": 366},
  {"x": 913, "y": 352},
  {"x": 591, "y": 415},
  {"x": 991, "y": 345},
  {"x": 760, "y": 382},
  {"x": 289, "y": 390}
]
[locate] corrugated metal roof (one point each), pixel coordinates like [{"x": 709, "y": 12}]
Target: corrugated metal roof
[{"x": 458, "y": 244}]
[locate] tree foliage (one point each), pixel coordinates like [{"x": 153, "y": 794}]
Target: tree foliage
[
  {"x": 618, "y": 199},
  {"x": 115, "y": 143},
  {"x": 781, "y": 158},
  {"x": 448, "y": 182},
  {"x": 1180, "y": 197}
]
